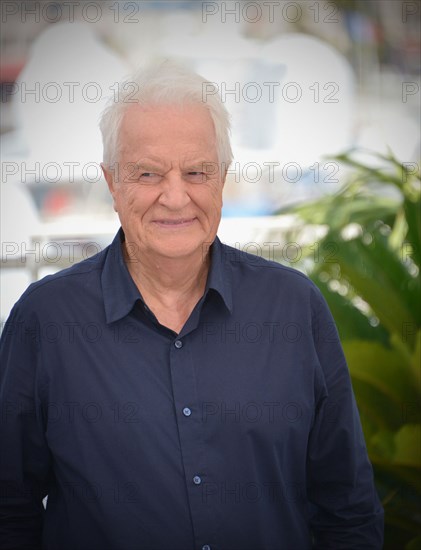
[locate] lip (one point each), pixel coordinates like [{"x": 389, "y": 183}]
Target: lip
[{"x": 176, "y": 223}]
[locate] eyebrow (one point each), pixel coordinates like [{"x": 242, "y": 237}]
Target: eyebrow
[
  {"x": 151, "y": 164},
  {"x": 200, "y": 165}
]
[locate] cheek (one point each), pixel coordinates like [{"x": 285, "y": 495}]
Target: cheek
[
  {"x": 130, "y": 201},
  {"x": 210, "y": 200},
  {"x": 216, "y": 204}
]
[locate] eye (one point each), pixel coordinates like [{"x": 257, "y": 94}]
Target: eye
[
  {"x": 149, "y": 177},
  {"x": 196, "y": 177}
]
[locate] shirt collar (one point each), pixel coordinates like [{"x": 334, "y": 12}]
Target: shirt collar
[
  {"x": 121, "y": 293},
  {"x": 219, "y": 277},
  {"x": 119, "y": 290}
]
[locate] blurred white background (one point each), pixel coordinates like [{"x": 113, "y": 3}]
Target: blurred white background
[{"x": 303, "y": 80}]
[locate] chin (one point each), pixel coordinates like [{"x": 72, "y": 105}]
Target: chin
[{"x": 178, "y": 248}]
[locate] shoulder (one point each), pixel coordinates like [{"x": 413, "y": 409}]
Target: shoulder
[
  {"x": 67, "y": 283},
  {"x": 270, "y": 285},
  {"x": 261, "y": 271}
]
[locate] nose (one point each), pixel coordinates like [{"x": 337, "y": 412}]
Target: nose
[{"x": 174, "y": 195}]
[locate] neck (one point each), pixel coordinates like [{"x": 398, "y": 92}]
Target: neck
[{"x": 168, "y": 281}]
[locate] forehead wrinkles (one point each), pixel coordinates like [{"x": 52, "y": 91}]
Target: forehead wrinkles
[
  {"x": 169, "y": 149},
  {"x": 168, "y": 135},
  {"x": 183, "y": 160},
  {"x": 187, "y": 119}
]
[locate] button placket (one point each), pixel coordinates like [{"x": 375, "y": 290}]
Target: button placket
[{"x": 191, "y": 438}]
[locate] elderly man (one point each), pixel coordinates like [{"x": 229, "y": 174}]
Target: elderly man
[{"x": 172, "y": 393}]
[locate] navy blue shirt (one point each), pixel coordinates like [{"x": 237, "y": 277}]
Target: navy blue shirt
[{"x": 239, "y": 433}]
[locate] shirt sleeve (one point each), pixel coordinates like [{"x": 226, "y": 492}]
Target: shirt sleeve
[
  {"x": 345, "y": 509},
  {"x": 24, "y": 454}
]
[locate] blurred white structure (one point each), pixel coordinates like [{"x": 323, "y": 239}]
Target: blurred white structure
[
  {"x": 73, "y": 74},
  {"x": 18, "y": 221},
  {"x": 61, "y": 93},
  {"x": 314, "y": 111}
]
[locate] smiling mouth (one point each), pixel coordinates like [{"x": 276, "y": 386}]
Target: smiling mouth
[{"x": 184, "y": 222}]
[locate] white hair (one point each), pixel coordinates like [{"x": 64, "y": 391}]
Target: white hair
[{"x": 170, "y": 84}]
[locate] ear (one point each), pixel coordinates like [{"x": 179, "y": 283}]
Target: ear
[
  {"x": 224, "y": 176},
  {"x": 109, "y": 178}
]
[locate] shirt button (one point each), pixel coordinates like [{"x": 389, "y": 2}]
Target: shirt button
[
  {"x": 206, "y": 547},
  {"x": 186, "y": 411},
  {"x": 197, "y": 480},
  {"x": 178, "y": 344}
]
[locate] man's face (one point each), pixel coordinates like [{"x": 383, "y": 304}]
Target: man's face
[{"x": 168, "y": 194}]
